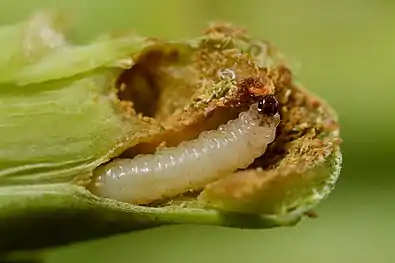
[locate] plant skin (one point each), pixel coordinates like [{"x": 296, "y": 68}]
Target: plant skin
[{"x": 66, "y": 109}]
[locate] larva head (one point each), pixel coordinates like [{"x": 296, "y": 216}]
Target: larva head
[{"x": 268, "y": 105}]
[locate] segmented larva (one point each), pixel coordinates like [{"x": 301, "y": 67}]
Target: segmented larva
[{"x": 193, "y": 164}]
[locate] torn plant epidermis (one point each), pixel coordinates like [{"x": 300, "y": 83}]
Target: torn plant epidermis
[{"x": 40, "y": 32}]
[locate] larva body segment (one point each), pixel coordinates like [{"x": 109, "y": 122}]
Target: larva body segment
[{"x": 192, "y": 164}]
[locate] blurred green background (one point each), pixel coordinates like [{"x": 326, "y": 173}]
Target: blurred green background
[{"x": 342, "y": 50}]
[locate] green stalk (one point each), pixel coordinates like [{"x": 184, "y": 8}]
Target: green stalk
[
  {"x": 56, "y": 214},
  {"x": 59, "y": 115},
  {"x": 60, "y": 118}
]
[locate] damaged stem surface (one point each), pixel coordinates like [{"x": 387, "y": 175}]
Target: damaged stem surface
[{"x": 122, "y": 96}]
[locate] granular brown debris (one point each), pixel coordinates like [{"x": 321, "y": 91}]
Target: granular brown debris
[{"x": 197, "y": 85}]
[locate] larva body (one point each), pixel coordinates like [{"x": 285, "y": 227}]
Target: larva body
[{"x": 192, "y": 164}]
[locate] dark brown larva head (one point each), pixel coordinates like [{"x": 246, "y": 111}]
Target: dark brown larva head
[{"x": 268, "y": 105}]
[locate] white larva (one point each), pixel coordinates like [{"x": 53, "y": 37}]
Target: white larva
[{"x": 191, "y": 165}]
